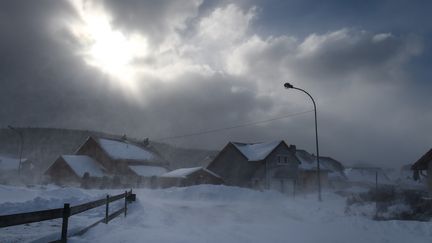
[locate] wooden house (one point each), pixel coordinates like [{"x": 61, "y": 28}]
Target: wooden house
[
  {"x": 188, "y": 177},
  {"x": 72, "y": 169},
  {"x": 270, "y": 165},
  {"x": 422, "y": 169},
  {"x": 124, "y": 158},
  {"x": 331, "y": 171}
]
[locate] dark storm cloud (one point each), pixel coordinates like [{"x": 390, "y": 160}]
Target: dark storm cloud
[
  {"x": 231, "y": 73},
  {"x": 155, "y": 18},
  {"x": 197, "y": 103},
  {"x": 43, "y": 82}
]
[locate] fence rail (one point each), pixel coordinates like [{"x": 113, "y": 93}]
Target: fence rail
[
  {"x": 67, "y": 211},
  {"x": 31, "y": 217},
  {"x": 87, "y": 206}
]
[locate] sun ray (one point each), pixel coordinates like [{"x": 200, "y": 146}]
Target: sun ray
[{"x": 108, "y": 49}]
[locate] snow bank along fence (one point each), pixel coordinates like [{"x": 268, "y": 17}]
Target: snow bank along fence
[{"x": 67, "y": 211}]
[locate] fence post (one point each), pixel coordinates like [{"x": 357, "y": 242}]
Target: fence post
[
  {"x": 125, "y": 207},
  {"x": 294, "y": 188},
  {"x": 66, "y": 214},
  {"x": 106, "y": 209}
]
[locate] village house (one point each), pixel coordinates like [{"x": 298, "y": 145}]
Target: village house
[
  {"x": 331, "y": 171},
  {"x": 73, "y": 169},
  {"x": 189, "y": 177},
  {"x": 307, "y": 174},
  {"x": 270, "y": 165},
  {"x": 124, "y": 158},
  {"x": 422, "y": 169},
  {"x": 119, "y": 160}
]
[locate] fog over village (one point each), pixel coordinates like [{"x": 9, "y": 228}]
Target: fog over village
[{"x": 215, "y": 121}]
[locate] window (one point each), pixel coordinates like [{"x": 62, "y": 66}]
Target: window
[{"x": 282, "y": 159}]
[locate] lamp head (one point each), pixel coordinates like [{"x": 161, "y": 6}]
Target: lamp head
[{"x": 288, "y": 86}]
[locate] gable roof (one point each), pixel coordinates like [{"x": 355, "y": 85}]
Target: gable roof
[
  {"x": 423, "y": 162},
  {"x": 184, "y": 172},
  {"x": 147, "y": 170},
  {"x": 332, "y": 164},
  {"x": 121, "y": 149},
  {"x": 256, "y": 151},
  {"x": 81, "y": 164},
  {"x": 308, "y": 162}
]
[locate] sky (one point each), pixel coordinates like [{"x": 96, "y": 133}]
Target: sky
[{"x": 162, "y": 69}]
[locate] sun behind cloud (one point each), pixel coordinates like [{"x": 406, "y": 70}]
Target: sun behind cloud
[{"x": 108, "y": 49}]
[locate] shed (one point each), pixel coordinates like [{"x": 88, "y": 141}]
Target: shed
[
  {"x": 146, "y": 175},
  {"x": 189, "y": 177}
]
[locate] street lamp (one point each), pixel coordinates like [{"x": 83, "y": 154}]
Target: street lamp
[
  {"x": 21, "y": 145},
  {"x": 290, "y": 86}
]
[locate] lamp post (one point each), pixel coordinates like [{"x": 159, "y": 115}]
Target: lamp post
[
  {"x": 290, "y": 86},
  {"x": 21, "y": 145}
]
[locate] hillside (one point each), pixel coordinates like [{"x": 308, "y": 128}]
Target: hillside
[{"x": 44, "y": 145}]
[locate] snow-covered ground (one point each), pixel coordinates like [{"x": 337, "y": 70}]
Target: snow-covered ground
[{"x": 208, "y": 214}]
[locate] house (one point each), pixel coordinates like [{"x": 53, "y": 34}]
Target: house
[
  {"x": 109, "y": 162},
  {"x": 146, "y": 175},
  {"x": 188, "y": 177},
  {"x": 124, "y": 158},
  {"x": 72, "y": 169},
  {"x": 422, "y": 169},
  {"x": 271, "y": 165},
  {"x": 331, "y": 171}
]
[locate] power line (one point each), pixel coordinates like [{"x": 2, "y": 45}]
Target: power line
[{"x": 233, "y": 127}]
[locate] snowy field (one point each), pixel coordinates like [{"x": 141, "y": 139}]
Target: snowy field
[{"x": 207, "y": 214}]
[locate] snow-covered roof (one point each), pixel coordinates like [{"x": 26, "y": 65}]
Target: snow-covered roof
[
  {"x": 256, "y": 151},
  {"x": 148, "y": 171},
  {"x": 332, "y": 164},
  {"x": 308, "y": 162},
  {"x": 123, "y": 150},
  {"x": 8, "y": 163},
  {"x": 81, "y": 164},
  {"x": 184, "y": 172}
]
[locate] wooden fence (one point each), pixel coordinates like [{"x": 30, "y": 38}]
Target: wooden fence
[{"x": 68, "y": 211}]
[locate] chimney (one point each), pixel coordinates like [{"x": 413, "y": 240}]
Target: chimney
[{"x": 293, "y": 148}]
